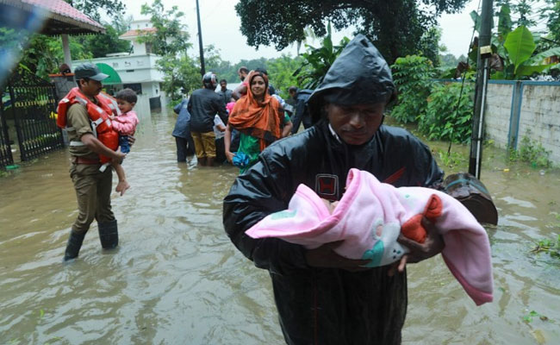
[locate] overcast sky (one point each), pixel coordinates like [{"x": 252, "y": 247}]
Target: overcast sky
[{"x": 220, "y": 27}]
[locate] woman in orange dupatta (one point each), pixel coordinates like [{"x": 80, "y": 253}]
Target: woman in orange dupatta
[{"x": 260, "y": 120}]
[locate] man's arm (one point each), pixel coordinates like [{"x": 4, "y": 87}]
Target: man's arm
[
  {"x": 297, "y": 117},
  {"x": 177, "y": 108},
  {"x": 239, "y": 91},
  {"x": 263, "y": 190},
  {"x": 221, "y": 109}
]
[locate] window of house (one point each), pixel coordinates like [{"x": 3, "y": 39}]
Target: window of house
[{"x": 137, "y": 87}]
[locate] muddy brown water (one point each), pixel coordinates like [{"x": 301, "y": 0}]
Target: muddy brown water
[{"x": 177, "y": 279}]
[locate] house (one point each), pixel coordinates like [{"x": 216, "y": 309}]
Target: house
[{"x": 136, "y": 69}]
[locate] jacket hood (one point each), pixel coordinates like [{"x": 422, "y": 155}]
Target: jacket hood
[{"x": 360, "y": 75}]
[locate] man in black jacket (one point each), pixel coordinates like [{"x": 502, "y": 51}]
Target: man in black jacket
[
  {"x": 301, "y": 111},
  {"x": 203, "y": 106},
  {"x": 323, "y": 298}
]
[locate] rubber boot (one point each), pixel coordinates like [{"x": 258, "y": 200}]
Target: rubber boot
[
  {"x": 73, "y": 246},
  {"x": 108, "y": 234}
]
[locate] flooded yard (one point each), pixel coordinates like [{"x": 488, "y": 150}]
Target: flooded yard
[{"x": 177, "y": 279}]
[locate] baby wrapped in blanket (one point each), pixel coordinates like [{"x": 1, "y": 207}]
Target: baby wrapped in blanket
[{"x": 369, "y": 218}]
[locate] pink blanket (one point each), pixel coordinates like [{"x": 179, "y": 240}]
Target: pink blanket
[{"x": 369, "y": 218}]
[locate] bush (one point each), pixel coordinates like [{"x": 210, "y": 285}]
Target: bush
[
  {"x": 412, "y": 76},
  {"x": 531, "y": 152},
  {"x": 446, "y": 118}
]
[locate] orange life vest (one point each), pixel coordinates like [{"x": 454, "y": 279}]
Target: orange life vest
[{"x": 98, "y": 115}]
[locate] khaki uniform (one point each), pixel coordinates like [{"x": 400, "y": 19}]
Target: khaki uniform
[{"x": 93, "y": 187}]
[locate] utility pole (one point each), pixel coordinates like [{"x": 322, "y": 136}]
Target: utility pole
[
  {"x": 202, "y": 68},
  {"x": 482, "y": 74}
]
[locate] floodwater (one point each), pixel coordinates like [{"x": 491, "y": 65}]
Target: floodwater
[{"x": 177, "y": 279}]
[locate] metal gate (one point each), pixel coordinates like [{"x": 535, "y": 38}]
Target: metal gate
[
  {"x": 6, "y": 157},
  {"x": 33, "y": 112}
]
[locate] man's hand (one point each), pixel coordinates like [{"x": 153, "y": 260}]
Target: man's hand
[
  {"x": 131, "y": 140},
  {"x": 326, "y": 257},
  {"x": 433, "y": 245}
]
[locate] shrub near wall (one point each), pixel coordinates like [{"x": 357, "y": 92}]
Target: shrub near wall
[
  {"x": 447, "y": 118},
  {"x": 411, "y": 75}
]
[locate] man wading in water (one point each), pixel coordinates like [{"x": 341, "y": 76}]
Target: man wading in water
[{"x": 323, "y": 298}]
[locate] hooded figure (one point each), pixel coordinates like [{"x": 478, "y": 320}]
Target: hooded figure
[
  {"x": 324, "y": 298},
  {"x": 346, "y": 83}
]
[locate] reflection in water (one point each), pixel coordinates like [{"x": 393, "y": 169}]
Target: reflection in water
[{"x": 177, "y": 279}]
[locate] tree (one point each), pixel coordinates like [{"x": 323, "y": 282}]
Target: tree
[
  {"x": 109, "y": 42},
  {"x": 317, "y": 61},
  {"x": 113, "y": 8},
  {"x": 170, "y": 36},
  {"x": 552, "y": 15},
  {"x": 216, "y": 65},
  {"x": 395, "y": 27},
  {"x": 281, "y": 72},
  {"x": 429, "y": 45},
  {"x": 170, "y": 41}
]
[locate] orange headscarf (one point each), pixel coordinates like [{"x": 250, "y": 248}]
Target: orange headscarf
[{"x": 258, "y": 119}]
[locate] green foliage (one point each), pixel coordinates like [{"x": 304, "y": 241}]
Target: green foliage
[
  {"x": 551, "y": 247},
  {"x": 170, "y": 36},
  {"x": 533, "y": 314},
  {"x": 213, "y": 62},
  {"x": 170, "y": 41},
  {"x": 107, "y": 43},
  {"x": 524, "y": 9},
  {"x": 281, "y": 72},
  {"x": 520, "y": 51},
  {"x": 429, "y": 45},
  {"x": 451, "y": 159},
  {"x": 113, "y": 8},
  {"x": 317, "y": 61},
  {"x": 180, "y": 73},
  {"x": 44, "y": 54},
  {"x": 551, "y": 13},
  {"x": 448, "y": 114},
  {"x": 531, "y": 152},
  {"x": 412, "y": 76},
  {"x": 395, "y": 27},
  {"x": 448, "y": 61}
]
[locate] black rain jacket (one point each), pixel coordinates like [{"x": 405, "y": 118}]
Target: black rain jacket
[
  {"x": 315, "y": 305},
  {"x": 204, "y": 104}
]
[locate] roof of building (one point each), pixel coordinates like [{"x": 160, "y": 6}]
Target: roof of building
[
  {"x": 136, "y": 32},
  {"x": 62, "y": 18}
]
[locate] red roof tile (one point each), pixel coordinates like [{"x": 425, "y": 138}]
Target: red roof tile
[
  {"x": 136, "y": 32},
  {"x": 61, "y": 14}
]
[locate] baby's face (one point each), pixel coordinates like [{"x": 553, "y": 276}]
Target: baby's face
[{"x": 124, "y": 106}]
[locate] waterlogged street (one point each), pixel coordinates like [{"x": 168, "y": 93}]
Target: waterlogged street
[{"x": 177, "y": 279}]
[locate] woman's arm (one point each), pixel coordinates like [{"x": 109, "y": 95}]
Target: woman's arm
[
  {"x": 227, "y": 143},
  {"x": 287, "y": 129}
]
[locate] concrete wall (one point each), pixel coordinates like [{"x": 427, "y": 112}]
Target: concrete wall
[{"x": 516, "y": 109}]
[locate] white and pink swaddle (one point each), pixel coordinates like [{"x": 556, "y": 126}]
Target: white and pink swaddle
[{"x": 369, "y": 218}]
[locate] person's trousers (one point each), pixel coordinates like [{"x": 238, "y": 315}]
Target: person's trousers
[
  {"x": 220, "y": 151},
  {"x": 124, "y": 144},
  {"x": 93, "y": 192},
  {"x": 185, "y": 148},
  {"x": 204, "y": 144}
]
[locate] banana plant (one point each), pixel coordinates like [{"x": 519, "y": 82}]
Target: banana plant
[
  {"x": 519, "y": 62},
  {"x": 515, "y": 48},
  {"x": 317, "y": 61}
]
